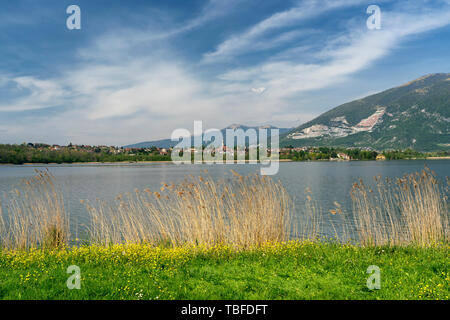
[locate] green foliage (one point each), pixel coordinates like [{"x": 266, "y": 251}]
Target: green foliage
[
  {"x": 417, "y": 116},
  {"x": 327, "y": 153},
  {"x": 41, "y": 153},
  {"x": 279, "y": 271}
]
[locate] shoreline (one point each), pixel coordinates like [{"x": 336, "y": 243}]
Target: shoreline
[
  {"x": 128, "y": 162},
  {"x": 236, "y": 162}
]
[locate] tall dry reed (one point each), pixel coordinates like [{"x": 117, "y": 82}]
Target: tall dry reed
[
  {"x": 242, "y": 211},
  {"x": 408, "y": 210},
  {"x": 310, "y": 219},
  {"x": 34, "y": 215}
]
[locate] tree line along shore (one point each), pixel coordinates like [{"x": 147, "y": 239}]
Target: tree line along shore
[{"x": 45, "y": 154}]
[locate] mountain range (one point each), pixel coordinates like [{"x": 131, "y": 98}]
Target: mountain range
[
  {"x": 167, "y": 143},
  {"x": 414, "y": 115}
]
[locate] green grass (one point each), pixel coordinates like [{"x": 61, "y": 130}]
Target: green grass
[{"x": 292, "y": 270}]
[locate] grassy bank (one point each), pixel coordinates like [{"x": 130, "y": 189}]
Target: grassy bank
[{"x": 293, "y": 270}]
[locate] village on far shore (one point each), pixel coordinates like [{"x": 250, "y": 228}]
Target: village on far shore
[{"x": 72, "y": 153}]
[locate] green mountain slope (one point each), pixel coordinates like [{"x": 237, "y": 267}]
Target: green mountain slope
[{"x": 414, "y": 115}]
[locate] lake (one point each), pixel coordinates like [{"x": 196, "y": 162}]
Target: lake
[{"x": 329, "y": 181}]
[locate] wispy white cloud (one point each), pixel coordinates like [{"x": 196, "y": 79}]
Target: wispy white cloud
[
  {"x": 35, "y": 94},
  {"x": 212, "y": 10},
  {"x": 258, "y": 90},
  {"x": 255, "y": 35},
  {"x": 342, "y": 56},
  {"x": 111, "y": 45}
]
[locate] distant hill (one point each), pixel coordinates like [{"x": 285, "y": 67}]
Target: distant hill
[
  {"x": 167, "y": 143},
  {"x": 164, "y": 143},
  {"x": 414, "y": 115}
]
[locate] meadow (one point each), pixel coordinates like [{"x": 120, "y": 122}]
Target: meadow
[
  {"x": 230, "y": 239},
  {"x": 292, "y": 270}
]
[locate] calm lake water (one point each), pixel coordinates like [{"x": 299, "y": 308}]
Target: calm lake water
[{"x": 328, "y": 181}]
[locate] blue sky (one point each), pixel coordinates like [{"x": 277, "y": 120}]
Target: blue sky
[{"x": 139, "y": 69}]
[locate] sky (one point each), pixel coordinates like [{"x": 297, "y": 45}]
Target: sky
[{"x": 137, "y": 70}]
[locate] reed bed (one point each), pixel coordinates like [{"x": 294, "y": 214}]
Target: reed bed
[
  {"x": 34, "y": 215},
  {"x": 239, "y": 211},
  {"x": 242, "y": 211},
  {"x": 408, "y": 210}
]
